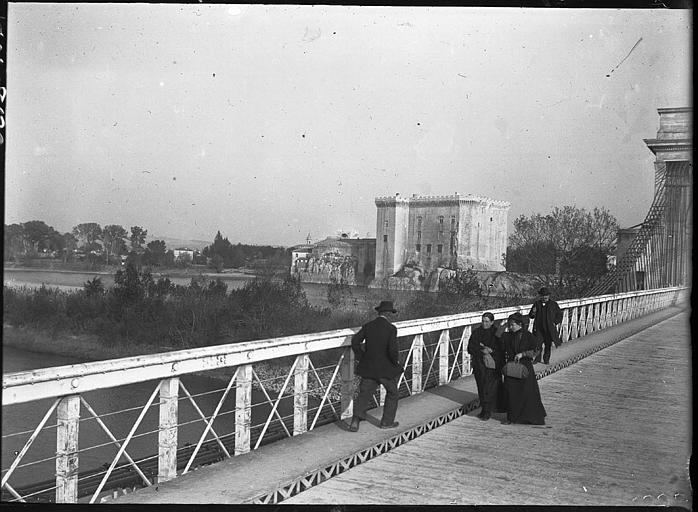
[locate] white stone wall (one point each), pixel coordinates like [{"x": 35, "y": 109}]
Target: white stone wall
[{"x": 481, "y": 233}]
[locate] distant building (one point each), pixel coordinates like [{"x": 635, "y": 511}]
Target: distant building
[
  {"x": 300, "y": 252},
  {"x": 337, "y": 258},
  {"x": 184, "y": 254},
  {"x": 458, "y": 232}
]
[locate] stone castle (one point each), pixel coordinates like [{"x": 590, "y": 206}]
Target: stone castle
[
  {"x": 419, "y": 232},
  {"x": 430, "y": 232}
]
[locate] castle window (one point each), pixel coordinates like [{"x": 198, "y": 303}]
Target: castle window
[
  {"x": 441, "y": 235},
  {"x": 440, "y": 248},
  {"x": 453, "y": 223},
  {"x": 419, "y": 236},
  {"x": 441, "y": 220},
  {"x": 385, "y": 224},
  {"x": 419, "y": 222},
  {"x": 418, "y": 247},
  {"x": 385, "y": 238},
  {"x": 428, "y": 248},
  {"x": 490, "y": 219}
]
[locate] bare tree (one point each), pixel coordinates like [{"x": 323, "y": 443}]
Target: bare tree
[{"x": 567, "y": 242}]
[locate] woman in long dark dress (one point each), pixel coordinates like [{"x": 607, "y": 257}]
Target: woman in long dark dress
[
  {"x": 523, "y": 400},
  {"x": 483, "y": 341}
]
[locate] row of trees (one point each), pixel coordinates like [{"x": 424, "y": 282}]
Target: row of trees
[
  {"x": 35, "y": 237},
  {"x": 264, "y": 258},
  {"x": 107, "y": 244},
  {"x": 569, "y": 247}
]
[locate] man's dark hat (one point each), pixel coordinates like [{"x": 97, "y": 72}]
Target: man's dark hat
[
  {"x": 544, "y": 291},
  {"x": 385, "y": 305},
  {"x": 516, "y": 317}
]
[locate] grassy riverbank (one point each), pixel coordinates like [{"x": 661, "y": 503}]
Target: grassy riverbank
[{"x": 86, "y": 347}]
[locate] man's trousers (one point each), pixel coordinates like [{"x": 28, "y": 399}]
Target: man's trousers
[{"x": 366, "y": 390}]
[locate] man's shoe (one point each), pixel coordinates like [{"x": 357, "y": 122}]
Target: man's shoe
[
  {"x": 354, "y": 427},
  {"x": 390, "y": 425},
  {"x": 485, "y": 417},
  {"x": 546, "y": 362}
]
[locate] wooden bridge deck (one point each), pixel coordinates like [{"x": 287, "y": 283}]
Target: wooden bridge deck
[{"x": 618, "y": 432}]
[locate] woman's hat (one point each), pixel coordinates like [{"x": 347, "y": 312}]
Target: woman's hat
[
  {"x": 385, "y": 305},
  {"x": 543, "y": 291},
  {"x": 516, "y": 317}
]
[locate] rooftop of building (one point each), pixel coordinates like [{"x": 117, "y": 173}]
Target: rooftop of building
[{"x": 468, "y": 198}]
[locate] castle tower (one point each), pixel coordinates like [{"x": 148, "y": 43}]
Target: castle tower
[
  {"x": 440, "y": 231},
  {"x": 391, "y": 234}
]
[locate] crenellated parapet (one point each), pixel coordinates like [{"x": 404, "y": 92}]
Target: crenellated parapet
[{"x": 450, "y": 200}]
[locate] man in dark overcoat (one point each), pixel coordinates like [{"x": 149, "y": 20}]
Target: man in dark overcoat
[
  {"x": 547, "y": 316},
  {"x": 378, "y": 365}
]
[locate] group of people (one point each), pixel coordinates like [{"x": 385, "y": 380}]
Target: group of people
[{"x": 502, "y": 362}]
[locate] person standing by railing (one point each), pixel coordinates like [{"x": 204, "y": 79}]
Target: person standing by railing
[
  {"x": 547, "y": 316},
  {"x": 487, "y": 357},
  {"x": 522, "y": 395},
  {"x": 378, "y": 365}
]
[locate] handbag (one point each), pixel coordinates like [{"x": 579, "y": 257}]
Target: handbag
[
  {"x": 489, "y": 361},
  {"x": 515, "y": 370}
]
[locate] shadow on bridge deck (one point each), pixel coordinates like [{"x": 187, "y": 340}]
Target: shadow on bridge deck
[{"x": 280, "y": 470}]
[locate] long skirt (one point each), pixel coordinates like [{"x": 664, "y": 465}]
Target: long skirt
[
  {"x": 523, "y": 402},
  {"x": 489, "y": 386}
]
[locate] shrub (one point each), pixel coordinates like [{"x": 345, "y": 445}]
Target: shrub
[{"x": 94, "y": 286}]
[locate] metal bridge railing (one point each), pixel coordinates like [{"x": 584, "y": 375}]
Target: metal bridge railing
[{"x": 313, "y": 383}]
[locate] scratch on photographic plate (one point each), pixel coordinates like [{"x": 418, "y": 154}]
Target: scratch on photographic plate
[{"x": 628, "y": 55}]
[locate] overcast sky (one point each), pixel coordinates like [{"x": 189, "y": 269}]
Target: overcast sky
[{"x": 271, "y": 122}]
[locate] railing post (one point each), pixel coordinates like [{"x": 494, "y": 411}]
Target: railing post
[
  {"x": 574, "y": 326},
  {"x": 614, "y": 312},
  {"x": 589, "y": 324},
  {"x": 417, "y": 364},
  {"x": 581, "y": 321},
  {"x": 629, "y": 303},
  {"x": 68, "y": 426},
  {"x": 243, "y": 408},
  {"x": 443, "y": 357},
  {"x": 465, "y": 337},
  {"x": 167, "y": 431},
  {"x": 347, "y": 387},
  {"x": 606, "y": 314},
  {"x": 300, "y": 395},
  {"x": 565, "y": 334},
  {"x": 597, "y": 317},
  {"x": 591, "y": 318}
]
